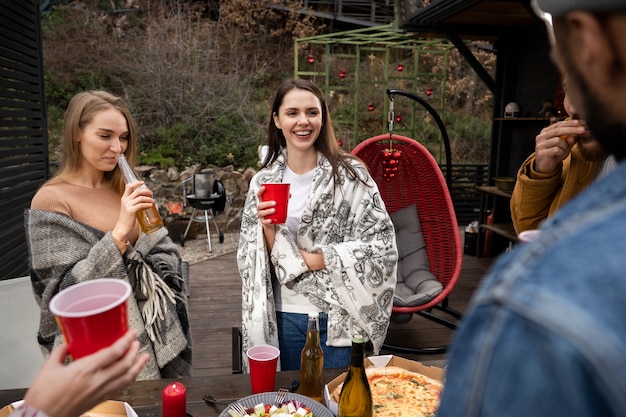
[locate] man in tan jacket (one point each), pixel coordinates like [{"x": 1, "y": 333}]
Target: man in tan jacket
[{"x": 567, "y": 159}]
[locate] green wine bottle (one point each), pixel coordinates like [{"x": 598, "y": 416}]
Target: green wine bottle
[{"x": 355, "y": 399}]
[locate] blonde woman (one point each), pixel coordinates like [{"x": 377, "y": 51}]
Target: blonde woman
[{"x": 81, "y": 226}]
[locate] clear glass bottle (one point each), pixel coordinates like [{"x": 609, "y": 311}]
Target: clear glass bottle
[
  {"x": 149, "y": 219},
  {"x": 355, "y": 399},
  {"x": 312, "y": 361}
]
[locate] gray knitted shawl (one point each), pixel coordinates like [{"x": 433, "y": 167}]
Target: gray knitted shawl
[
  {"x": 346, "y": 222},
  {"x": 64, "y": 252}
]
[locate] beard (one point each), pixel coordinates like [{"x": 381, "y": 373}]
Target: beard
[
  {"x": 609, "y": 132},
  {"x": 591, "y": 149}
]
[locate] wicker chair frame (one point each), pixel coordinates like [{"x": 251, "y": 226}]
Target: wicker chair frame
[{"x": 419, "y": 180}]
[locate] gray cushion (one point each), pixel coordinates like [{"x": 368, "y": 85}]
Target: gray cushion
[{"x": 416, "y": 284}]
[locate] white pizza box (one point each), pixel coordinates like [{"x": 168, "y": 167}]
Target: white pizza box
[
  {"x": 383, "y": 361},
  {"x": 104, "y": 409}
]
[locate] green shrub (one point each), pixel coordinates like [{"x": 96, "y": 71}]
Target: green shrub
[
  {"x": 470, "y": 137},
  {"x": 200, "y": 89}
]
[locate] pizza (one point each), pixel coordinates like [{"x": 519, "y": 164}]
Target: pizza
[{"x": 397, "y": 392}]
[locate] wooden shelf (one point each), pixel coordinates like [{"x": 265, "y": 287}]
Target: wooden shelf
[
  {"x": 502, "y": 229},
  {"x": 491, "y": 189}
]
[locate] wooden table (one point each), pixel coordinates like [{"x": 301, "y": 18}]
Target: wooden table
[{"x": 145, "y": 396}]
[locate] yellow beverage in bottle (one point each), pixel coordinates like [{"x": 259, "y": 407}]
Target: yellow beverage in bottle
[
  {"x": 312, "y": 361},
  {"x": 149, "y": 219}
]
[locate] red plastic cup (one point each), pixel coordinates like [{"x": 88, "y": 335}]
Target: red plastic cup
[
  {"x": 263, "y": 360},
  {"x": 528, "y": 236},
  {"x": 92, "y": 315},
  {"x": 278, "y": 192}
]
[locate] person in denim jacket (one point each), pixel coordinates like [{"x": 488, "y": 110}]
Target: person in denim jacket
[{"x": 546, "y": 331}]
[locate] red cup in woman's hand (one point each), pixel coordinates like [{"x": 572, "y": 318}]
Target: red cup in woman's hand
[{"x": 278, "y": 192}]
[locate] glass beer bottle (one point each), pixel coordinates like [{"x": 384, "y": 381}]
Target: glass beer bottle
[
  {"x": 355, "y": 399},
  {"x": 312, "y": 361},
  {"x": 149, "y": 219}
]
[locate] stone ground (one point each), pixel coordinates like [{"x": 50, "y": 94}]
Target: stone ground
[{"x": 196, "y": 250}]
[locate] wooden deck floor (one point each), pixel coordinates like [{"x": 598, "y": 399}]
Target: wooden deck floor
[{"x": 215, "y": 307}]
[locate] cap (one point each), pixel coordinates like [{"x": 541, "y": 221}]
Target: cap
[{"x": 562, "y": 7}]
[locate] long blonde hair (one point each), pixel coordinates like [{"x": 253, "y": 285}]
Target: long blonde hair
[{"x": 81, "y": 110}]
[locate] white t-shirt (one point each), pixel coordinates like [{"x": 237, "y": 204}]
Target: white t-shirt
[
  {"x": 608, "y": 165},
  {"x": 289, "y": 301}
]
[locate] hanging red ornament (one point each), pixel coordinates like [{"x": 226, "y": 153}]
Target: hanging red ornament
[
  {"x": 342, "y": 74},
  {"x": 429, "y": 92},
  {"x": 339, "y": 142},
  {"x": 399, "y": 118},
  {"x": 400, "y": 67},
  {"x": 370, "y": 107},
  {"x": 310, "y": 59},
  {"x": 390, "y": 162}
]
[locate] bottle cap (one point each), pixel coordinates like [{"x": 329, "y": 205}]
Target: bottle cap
[
  {"x": 357, "y": 338},
  {"x": 314, "y": 314}
]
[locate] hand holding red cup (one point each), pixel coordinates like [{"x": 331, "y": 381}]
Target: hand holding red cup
[
  {"x": 92, "y": 314},
  {"x": 278, "y": 192}
]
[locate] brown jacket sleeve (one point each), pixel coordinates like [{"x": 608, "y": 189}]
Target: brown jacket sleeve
[{"x": 537, "y": 196}]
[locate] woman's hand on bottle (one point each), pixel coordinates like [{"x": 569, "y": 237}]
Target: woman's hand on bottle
[{"x": 135, "y": 198}]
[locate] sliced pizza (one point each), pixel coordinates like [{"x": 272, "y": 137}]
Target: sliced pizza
[{"x": 397, "y": 392}]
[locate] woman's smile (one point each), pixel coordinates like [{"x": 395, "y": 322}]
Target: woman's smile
[{"x": 300, "y": 119}]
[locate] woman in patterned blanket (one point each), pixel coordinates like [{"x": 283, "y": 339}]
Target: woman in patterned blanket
[
  {"x": 82, "y": 226},
  {"x": 336, "y": 254}
]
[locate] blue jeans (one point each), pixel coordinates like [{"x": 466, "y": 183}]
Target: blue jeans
[{"x": 292, "y": 337}]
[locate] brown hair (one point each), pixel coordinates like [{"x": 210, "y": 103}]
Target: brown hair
[
  {"x": 80, "y": 112},
  {"x": 326, "y": 142}
]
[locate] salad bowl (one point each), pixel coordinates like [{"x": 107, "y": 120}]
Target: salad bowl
[{"x": 317, "y": 409}]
